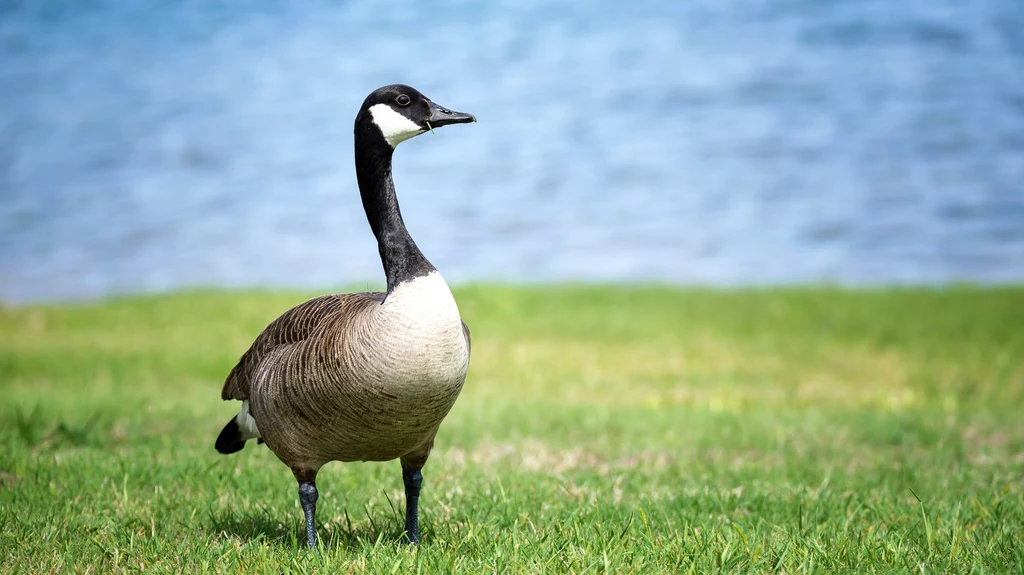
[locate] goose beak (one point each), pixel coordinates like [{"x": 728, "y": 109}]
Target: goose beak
[{"x": 441, "y": 116}]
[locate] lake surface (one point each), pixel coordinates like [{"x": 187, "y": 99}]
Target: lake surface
[{"x": 157, "y": 144}]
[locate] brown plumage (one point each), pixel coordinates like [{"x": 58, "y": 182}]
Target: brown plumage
[
  {"x": 321, "y": 371},
  {"x": 293, "y": 327},
  {"x": 363, "y": 376}
]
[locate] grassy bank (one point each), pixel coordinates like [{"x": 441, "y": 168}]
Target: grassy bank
[{"x": 601, "y": 430}]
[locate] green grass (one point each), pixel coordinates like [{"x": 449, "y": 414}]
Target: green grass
[{"x": 601, "y": 429}]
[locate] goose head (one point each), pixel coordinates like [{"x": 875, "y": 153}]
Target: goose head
[{"x": 398, "y": 112}]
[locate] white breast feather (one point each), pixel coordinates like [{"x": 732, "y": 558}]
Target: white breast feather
[{"x": 423, "y": 327}]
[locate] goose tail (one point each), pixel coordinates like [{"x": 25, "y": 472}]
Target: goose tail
[
  {"x": 240, "y": 429},
  {"x": 230, "y": 438}
]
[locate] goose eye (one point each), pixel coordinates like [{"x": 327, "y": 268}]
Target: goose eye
[{"x": 402, "y": 100}]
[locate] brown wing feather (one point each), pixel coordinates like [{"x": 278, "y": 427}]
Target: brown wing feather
[{"x": 294, "y": 326}]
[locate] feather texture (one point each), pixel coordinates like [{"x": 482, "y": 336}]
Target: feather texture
[{"x": 356, "y": 376}]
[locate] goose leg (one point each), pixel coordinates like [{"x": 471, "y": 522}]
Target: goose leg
[
  {"x": 307, "y": 497},
  {"x": 412, "y": 463},
  {"x": 413, "y": 479}
]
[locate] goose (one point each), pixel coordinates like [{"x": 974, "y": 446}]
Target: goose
[{"x": 361, "y": 376}]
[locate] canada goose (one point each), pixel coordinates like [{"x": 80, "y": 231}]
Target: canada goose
[{"x": 361, "y": 376}]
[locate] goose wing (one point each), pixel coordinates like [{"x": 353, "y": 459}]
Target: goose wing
[{"x": 295, "y": 325}]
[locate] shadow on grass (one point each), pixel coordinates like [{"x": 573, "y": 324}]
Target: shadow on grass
[{"x": 251, "y": 527}]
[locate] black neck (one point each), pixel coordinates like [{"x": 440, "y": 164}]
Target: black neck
[{"x": 402, "y": 259}]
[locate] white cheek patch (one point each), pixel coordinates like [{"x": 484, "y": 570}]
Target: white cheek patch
[{"x": 395, "y": 127}]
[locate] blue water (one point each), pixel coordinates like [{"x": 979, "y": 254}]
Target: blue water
[{"x": 156, "y": 144}]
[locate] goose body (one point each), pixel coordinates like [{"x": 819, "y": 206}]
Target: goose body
[
  {"x": 362, "y": 376},
  {"x": 371, "y": 380}
]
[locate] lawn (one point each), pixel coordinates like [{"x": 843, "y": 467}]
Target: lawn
[{"x": 601, "y": 429}]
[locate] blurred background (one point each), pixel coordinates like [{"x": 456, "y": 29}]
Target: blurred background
[{"x": 152, "y": 145}]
